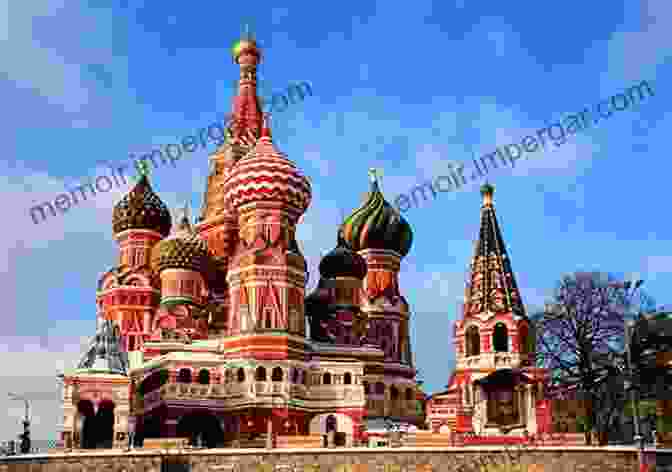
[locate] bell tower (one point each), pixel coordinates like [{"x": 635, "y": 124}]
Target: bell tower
[{"x": 494, "y": 331}]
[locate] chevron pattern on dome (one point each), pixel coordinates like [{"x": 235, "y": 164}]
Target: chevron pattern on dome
[{"x": 265, "y": 174}]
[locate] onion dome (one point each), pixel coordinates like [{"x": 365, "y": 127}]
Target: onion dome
[
  {"x": 141, "y": 208},
  {"x": 183, "y": 249},
  {"x": 266, "y": 175},
  {"x": 342, "y": 262},
  {"x": 377, "y": 225}
]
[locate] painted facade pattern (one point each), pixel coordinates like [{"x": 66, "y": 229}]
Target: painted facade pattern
[
  {"x": 494, "y": 389},
  {"x": 221, "y": 343}
]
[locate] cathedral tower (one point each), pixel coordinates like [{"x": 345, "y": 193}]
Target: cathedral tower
[
  {"x": 494, "y": 330},
  {"x": 218, "y": 225},
  {"x": 129, "y": 293},
  {"x": 382, "y": 237},
  {"x": 267, "y": 272}
]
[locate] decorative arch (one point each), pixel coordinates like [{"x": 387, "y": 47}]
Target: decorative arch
[
  {"x": 473, "y": 341},
  {"x": 241, "y": 374},
  {"x": 184, "y": 375},
  {"x": 204, "y": 377},
  {"x": 318, "y": 425},
  {"x": 500, "y": 338},
  {"x": 260, "y": 374},
  {"x": 203, "y": 428},
  {"x": 326, "y": 378},
  {"x": 347, "y": 378},
  {"x": 277, "y": 374}
]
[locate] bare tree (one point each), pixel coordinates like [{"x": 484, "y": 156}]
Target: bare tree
[{"x": 580, "y": 338}]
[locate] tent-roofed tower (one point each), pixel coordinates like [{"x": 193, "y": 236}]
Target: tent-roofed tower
[
  {"x": 492, "y": 388},
  {"x": 493, "y": 319},
  {"x": 218, "y": 222}
]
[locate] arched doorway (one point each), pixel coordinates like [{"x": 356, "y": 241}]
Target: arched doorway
[
  {"x": 87, "y": 427},
  {"x": 105, "y": 425},
  {"x": 96, "y": 429},
  {"x": 202, "y": 429}
]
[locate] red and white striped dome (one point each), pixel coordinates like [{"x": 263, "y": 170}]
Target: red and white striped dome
[{"x": 265, "y": 174}]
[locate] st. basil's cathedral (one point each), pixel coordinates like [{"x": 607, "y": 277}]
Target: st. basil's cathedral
[{"x": 205, "y": 330}]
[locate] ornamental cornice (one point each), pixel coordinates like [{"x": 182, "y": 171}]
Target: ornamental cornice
[{"x": 137, "y": 234}]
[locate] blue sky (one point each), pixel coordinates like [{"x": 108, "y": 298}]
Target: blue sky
[{"x": 405, "y": 89}]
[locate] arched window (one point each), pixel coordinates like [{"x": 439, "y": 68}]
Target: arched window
[
  {"x": 260, "y": 374},
  {"x": 347, "y": 378},
  {"x": 304, "y": 377},
  {"x": 326, "y": 378},
  {"x": 228, "y": 376},
  {"x": 409, "y": 394},
  {"x": 276, "y": 375},
  {"x": 184, "y": 376},
  {"x": 241, "y": 374},
  {"x": 500, "y": 338},
  {"x": 331, "y": 423},
  {"x": 524, "y": 341},
  {"x": 366, "y": 387},
  {"x": 473, "y": 341},
  {"x": 394, "y": 393},
  {"x": 295, "y": 375},
  {"x": 204, "y": 377},
  {"x": 380, "y": 388},
  {"x": 268, "y": 315}
]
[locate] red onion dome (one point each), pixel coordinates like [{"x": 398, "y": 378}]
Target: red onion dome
[
  {"x": 342, "y": 262},
  {"x": 265, "y": 174},
  {"x": 183, "y": 249},
  {"x": 141, "y": 208}
]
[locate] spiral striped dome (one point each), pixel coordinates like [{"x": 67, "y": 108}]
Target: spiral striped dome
[
  {"x": 377, "y": 225},
  {"x": 265, "y": 174},
  {"x": 141, "y": 208},
  {"x": 183, "y": 249}
]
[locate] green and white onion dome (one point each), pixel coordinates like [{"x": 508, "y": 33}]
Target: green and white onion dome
[{"x": 377, "y": 225}]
